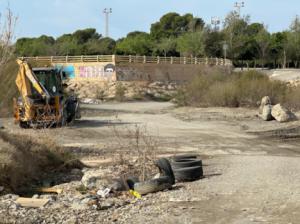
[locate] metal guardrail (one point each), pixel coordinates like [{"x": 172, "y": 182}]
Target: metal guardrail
[{"x": 131, "y": 59}]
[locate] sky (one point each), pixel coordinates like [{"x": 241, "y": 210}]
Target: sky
[{"x": 57, "y": 17}]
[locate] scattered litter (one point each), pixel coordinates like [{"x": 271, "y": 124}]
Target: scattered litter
[
  {"x": 31, "y": 202},
  {"x": 135, "y": 194},
  {"x": 50, "y": 190},
  {"x": 103, "y": 193}
]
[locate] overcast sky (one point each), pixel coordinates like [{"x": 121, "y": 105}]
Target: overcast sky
[{"x": 56, "y": 17}]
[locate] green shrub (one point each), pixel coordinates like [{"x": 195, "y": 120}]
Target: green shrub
[{"x": 231, "y": 90}]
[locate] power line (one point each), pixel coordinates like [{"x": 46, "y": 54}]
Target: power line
[
  {"x": 238, "y": 6},
  {"x": 107, "y": 11}
]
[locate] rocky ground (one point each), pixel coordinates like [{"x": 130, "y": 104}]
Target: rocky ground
[
  {"x": 251, "y": 167},
  {"x": 98, "y": 92}
]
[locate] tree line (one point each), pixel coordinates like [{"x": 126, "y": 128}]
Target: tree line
[{"x": 246, "y": 43}]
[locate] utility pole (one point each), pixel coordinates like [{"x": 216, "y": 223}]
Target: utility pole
[
  {"x": 238, "y": 6},
  {"x": 107, "y": 11},
  {"x": 215, "y": 21}
]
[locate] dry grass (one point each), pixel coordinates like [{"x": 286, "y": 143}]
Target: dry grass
[
  {"x": 237, "y": 89},
  {"x": 24, "y": 160},
  {"x": 138, "y": 150}
]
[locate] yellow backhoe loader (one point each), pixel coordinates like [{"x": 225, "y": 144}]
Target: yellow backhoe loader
[{"x": 42, "y": 102}]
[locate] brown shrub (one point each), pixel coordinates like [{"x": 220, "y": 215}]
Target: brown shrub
[{"x": 24, "y": 160}]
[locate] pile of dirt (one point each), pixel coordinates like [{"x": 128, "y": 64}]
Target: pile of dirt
[{"x": 23, "y": 161}]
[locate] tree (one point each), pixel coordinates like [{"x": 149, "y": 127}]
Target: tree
[
  {"x": 173, "y": 25},
  {"x": 104, "y": 46},
  {"x": 191, "y": 44},
  {"x": 213, "y": 43},
  {"x": 167, "y": 47},
  {"x": 293, "y": 42},
  {"x": 7, "y": 28},
  {"x": 41, "y": 46},
  {"x": 139, "y": 44},
  {"x": 235, "y": 34},
  {"x": 263, "y": 39}
]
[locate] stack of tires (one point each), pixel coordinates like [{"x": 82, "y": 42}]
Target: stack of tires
[
  {"x": 165, "y": 181},
  {"x": 187, "y": 168}
]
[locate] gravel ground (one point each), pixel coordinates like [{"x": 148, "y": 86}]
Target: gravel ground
[{"x": 251, "y": 172}]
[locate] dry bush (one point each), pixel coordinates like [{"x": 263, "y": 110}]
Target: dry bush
[
  {"x": 231, "y": 90},
  {"x": 24, "y": 160},
  {"x": 292, "y": 98},
  {"x": 120, "y": 92},
  {"x": 138, "y": 150}
]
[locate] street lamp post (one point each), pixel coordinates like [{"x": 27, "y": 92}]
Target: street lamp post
[{"x": 107, "y": 11}]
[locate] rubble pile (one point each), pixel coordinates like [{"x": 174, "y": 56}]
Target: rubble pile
[
  {"x": 101, "y": 91},
  {"x": 277, "y": 112}
]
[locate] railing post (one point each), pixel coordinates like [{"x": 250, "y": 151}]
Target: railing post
[
  {"x": 130, "y": 59},
  {"x": 51, "y": 59},
  {"x": 97, "y": 58},
  {"x": 184, "y": 60},
  {"x": 81, "y": 58},
  {"x": 206, "y": 60},
  {"x": 196, "y": 60},
  {"x": 67, "y": 59},
  {"x": 217, "y": 61},
  {"x": 171, "y": 60},
  {"x": 145, "y": 59},
  {"x": 158, "y": 59},
  {"x": 113, "y": 58}
]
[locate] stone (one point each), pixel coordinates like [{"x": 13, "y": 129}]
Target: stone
[
  {"x": 267, "y": 113},
  {"x": 282, "y": 114},
  {"x": 264, "y": 101},
  {"x": 107, "y": 204},
  {"x": 36, "y": 196},
  {"x": 1, "y": 189},
  {"x": 94, "y": 179}
]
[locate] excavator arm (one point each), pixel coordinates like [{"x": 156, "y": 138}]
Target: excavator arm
[
  {"x": 24, "y": 78},
  {"x": 25, "y": 75}
]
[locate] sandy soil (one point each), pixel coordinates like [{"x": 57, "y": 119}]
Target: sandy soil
[{"x": 252, "y": 167}]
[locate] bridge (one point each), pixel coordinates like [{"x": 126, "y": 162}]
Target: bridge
[{"x": 130, "y": 68}]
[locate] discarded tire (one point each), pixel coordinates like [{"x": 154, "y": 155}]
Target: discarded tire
[
  {"x": 185, "y": 156},
  {"x": 152, "y": 186},
  {"x": 186, "y": 163},
  {"x": 188, "y": 173},
  {"x": 166, "y": 169},
  {"x": 131, "y": 181}
]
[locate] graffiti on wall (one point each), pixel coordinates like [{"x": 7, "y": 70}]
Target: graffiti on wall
[
  {"x": 68, "y": 71},
  {"x": 104, "y": 72}
]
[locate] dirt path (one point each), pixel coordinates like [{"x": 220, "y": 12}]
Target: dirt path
[{"x": 252, "y": 168}]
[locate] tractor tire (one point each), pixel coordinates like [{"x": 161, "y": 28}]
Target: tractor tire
[
  {"x": 188, "y": 174},
  {"x": 185, "y": 156},
  {"x": 24, "y": 125},
  {"x": 152, "y": 186},
  {"x": 186, "y": 163},
  {"x": 166, "y": 169}
]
